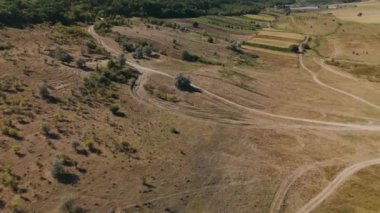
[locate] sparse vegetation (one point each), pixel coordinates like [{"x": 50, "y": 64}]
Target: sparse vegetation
[
  {"x": 187, "y": 56},
  {"x": 9, "y": 179},
  {"x": 102, "y": 27},
  {"x": 116, "y": 111},
  {"x": 12, "y": 132},
  {"x": 81, "y": 63},
  {"x": 68, "y": 206},
  {"x": 162, "y": 93},
  {"x": 61, "y": 174},
  {"x": 5, "y": 46},
  {"x": 235, "y": 46}
]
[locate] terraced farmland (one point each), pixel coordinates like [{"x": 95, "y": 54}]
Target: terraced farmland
[
  {"x": 260, "y": 17},
  {"x": 232, "y": 22},
  {"x": 274, "y": 40}
]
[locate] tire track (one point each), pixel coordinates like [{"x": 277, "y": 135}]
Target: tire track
[
  {"x": 316, "y": 80},
  {"x": 342, "y": 177},
  {"x": 99, "y": 39}
]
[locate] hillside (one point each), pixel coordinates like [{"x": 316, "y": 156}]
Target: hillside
[{"x": 103, "y": 109}]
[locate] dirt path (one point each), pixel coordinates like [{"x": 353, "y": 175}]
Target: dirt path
[
  {"x": 342, "y": 177},
  {"x": 144, "y": 70},
  {"x": 284, "y": 187},
  {"x": 280, "y": 196},
  {"x": 324, "y": 66},
  {"x": 316, "y": 80}
]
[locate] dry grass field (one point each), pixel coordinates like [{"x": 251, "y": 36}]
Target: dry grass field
[
  {"x": 359, "y": 194},
  {"x": 365, "y": 12},
  {"x": 261, "y": 131}
]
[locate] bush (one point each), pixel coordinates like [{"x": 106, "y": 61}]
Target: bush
[
  {"x": 77, "y": 147},
  {"x": 65, "y": 160},
  {"x": 210, "y": 40},
  {"x": 293, "y": 48},
  {"x": 102, "y": 27},
  {"x": 4, "y": 46},
  {"x": 115, "y": 111},
  {"x": 10, "y": 132},
  {"x": 44, "y": 91},
  {"x": 59, "y": 172},
  {"x": 235, "y": 46},
  {"x": 126, "y": 148},
  {"x": 81, "y": 63},
  {"x": 186, "y": 56},
  {"x": 68, "y": 206},
  {"x": 45, "y": 129},
  {"x": 306, "y": 46}
]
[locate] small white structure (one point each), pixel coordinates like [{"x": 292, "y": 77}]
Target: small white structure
[{"x": 304, "y": 9}]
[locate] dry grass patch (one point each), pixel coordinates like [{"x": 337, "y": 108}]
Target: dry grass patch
[
  {"x": 281, "y": 34},
  {"x": 260, "y": 17},
  {"x": 370, "y": 13},
  {"x": 360, "y": 194}
]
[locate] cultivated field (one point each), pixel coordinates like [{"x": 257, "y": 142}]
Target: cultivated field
[
  {"x": 274, "y": 40},
  {"x": 261, "y": 17}
]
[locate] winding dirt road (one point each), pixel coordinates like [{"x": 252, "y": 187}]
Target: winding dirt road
[
  {"x": 285, "y": 186},
  {"x": 326, "y": 67},
  {"x": 316, "y": 80},
  {"x": 342, "y": 177},
  {"x": 145, "y": 70}
]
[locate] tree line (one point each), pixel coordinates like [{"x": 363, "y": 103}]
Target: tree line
[{"x": 24, "y": 12}]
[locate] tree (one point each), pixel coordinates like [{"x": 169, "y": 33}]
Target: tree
[
  {"x": 147, "y": 50},
  {"x": 182, "y": 82},
  {"x": 138, "y": 54},
  {"x": 63, "y": 56}
]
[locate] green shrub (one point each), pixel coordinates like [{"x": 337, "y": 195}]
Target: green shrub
[
  {"x": 102, "y": 27},
  {"x": 57, "y": 170},
  {"x": 65, "y": 160},
  {"x": 45, "y": 129},
  {"x": 187, "y": 56},
  {"x": 293, "y": 48},
  {"x": 5, "y": 46},
  {"x": 11, "y": 132},
  {"x": 210, "y": 40}
]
